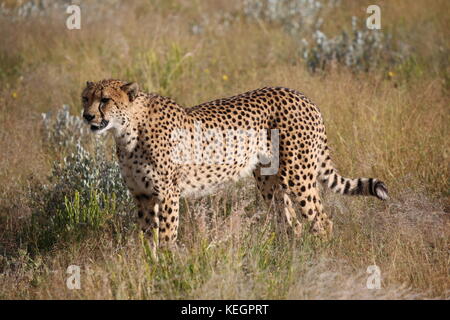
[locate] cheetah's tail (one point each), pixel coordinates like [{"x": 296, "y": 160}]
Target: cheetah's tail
[{"x": 329, "y": 177}]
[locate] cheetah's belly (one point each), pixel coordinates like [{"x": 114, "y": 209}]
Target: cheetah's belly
[{"x": 201, "y": 180}]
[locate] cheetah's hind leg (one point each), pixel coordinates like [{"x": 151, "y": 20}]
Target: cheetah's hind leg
[{"x": 275, "y": 197}]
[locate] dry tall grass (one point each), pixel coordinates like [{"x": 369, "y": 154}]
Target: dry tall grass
[{"x": 392, "y": 127}]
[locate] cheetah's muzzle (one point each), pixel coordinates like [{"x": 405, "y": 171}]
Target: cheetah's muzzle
[{"x": 102, "y": 125}]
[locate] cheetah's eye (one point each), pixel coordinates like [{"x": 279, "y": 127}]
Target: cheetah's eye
[
  {"x": 105, "y": 100},
  {"x": 85, "y": 100}
]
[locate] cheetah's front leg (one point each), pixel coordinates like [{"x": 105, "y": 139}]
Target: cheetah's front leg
[
  {"x": 158, "y": 218},
  {"x": 148, "y": 217},
  {"x": 168, "y": 217}
]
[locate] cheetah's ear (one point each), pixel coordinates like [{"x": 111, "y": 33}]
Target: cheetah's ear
[
  {"x": 131, "y": 89},
  {"x": 89, "y": 84}
]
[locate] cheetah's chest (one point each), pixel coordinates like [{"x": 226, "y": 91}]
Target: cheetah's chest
[{"x": 139, "y": 176}]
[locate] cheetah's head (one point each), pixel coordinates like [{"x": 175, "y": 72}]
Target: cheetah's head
[{"x": 105, "y": 103}]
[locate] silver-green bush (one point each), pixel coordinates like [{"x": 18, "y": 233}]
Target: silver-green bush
[{"x": 360, "y": 49}]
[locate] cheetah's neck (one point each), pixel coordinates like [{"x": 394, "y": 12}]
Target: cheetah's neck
[{"x": 126, "y": 135}]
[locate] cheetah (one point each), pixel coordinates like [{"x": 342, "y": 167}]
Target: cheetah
[{"x": 166, "y": 151}]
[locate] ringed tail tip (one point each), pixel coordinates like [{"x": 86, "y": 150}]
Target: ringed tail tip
[{"x": 381, "y": 191}]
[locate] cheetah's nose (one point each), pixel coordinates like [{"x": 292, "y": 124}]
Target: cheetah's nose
[{"x": 88, "y": 116}]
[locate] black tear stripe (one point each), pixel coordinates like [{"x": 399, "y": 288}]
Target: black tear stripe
[
  {"x": 334, "y": 182},
  {"x": 347, "y": 187},
  {"x": 371, "y": 186}
]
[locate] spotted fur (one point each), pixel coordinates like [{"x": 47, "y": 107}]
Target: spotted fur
[{"x": 144, "y": 125}]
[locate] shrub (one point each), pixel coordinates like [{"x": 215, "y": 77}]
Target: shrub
[
  {"x": 62, "y": 131},
  {"x": 295, "y": 16},
  {"x": 87, "y": 165},
  {"x": 360, "y": 50},
  {"x": 83, "y": 188},
  {"x": 70, "y": 220}
]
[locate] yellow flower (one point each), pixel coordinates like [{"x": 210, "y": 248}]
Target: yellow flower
[
  {"x": 224, "y": 77},
  {"x": 206, "y": 70},
  {"x": 391, "y": 74},
  {"x": 14, "y": 95}
]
